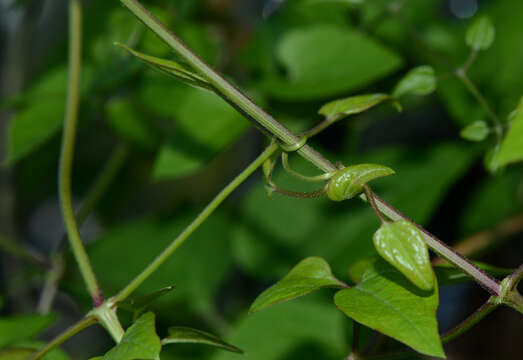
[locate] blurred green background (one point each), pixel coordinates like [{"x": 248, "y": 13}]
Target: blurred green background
[{"x": 183, "y": 144}]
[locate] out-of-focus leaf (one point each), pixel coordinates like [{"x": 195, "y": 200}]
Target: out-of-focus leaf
[
  {"x": 184, "y": 335},
  {"x": 511, "y": 150},
  {"x": 23, "y": 353},
  {"x": 21, "y": 327},
  {"x": 42, "y": 115},
  {"x": 419, "y": 81},
  {"x": 385, "y": 301},
  {"x": 309, "y": 275},
  {"x": 273, "y": 333},
  {"x": 480, "y": 35},
  {"x": 205, "y": 125},
  {"x": 139, "y": 341},
  {"x": 124, "y": 120},
  {"x": 338, "y": 109},
  {"x": 139, "y": 303},
  {"x": 448, "y": 274},
  {"x": 401, "y": 244},
  {"x": 325, "y": 60},
  {"x": 477, "y": 131}
]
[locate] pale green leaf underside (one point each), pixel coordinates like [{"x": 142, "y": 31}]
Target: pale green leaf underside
[
  {"x": 338, "y": 109},
  {"x": 511, "y": 150},
  {"x": 480, "y": 35},
  {"x": 309, "y": 275},
  {"x": 419, "y": 81},
  {"x": 385, "y": 301},
  {"x": 139, "y": 341},
  {"x": 185, "y": 335},
  {"x": 477, "y": 131}
]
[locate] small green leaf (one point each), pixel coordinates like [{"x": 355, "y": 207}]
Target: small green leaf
[
  {"x": 511, "y": 149},
  {"x": 338, "y": 109},
  {"x": 170, "y": 67},
  {"x": 139, "y": 341},
  {"x": 447, "y": 274},
  {"x": 477, "y": 131},
  {"x": 309, "y": 275},
  {"x": 480, "y": 35},
  {"x": 140, "y": 303},
  {"x": 348, "y": 182},
  {"x": 185, "y": 335},
  {"x": 21, "y": 327},
  {"x": 402, "y": 245},
  {"x": 419, "y": 81},
  {"x": 385, "y": 301}
]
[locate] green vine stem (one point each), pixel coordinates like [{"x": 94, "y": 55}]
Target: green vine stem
[
  {"x": 206, "y": 212},
  {"x": 67, "y": 153},
  {"x": 253, "y": 112},
  {"x": 66, "y": 335}
]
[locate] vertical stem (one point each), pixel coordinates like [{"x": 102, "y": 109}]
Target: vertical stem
[
  {"x": 206, "y": 212},
  {"x": 66, "y": 158}
]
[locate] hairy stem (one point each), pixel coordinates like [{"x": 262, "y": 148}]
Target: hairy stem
[
  {"x": 66, "y": 158},
  {"x": 66, "y": 335},
  {"x": 206, "y": 212},
  {"x": 253, "y": 112}
]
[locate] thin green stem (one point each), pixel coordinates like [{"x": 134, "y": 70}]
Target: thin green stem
[
  {"x": 469, "y": 322},
  {"x": 516, "y": 277},
  {"x": 253, "y": 112},
  {"x": 206, "y": 212},
  {"x": 66, "y": 158},
  {"x": 288, "y": 169},
  {"x": 63, "y": 337},
  {"x": 370, "y": 198}
]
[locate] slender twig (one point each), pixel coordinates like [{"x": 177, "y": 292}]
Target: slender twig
[
  {"x": 51, "y": 284},
  {"x": 370, "y": 198},
  {"x": 469, "y": 322},
  {"x": 206, "y": 212},
  {"x": 66, "y": 335},
  {"x": 470, "y": 60},
  {"x": 516, "y": 277},
  {"x": 253, "y": 112},
  {"x": 67, "y": 153},
  {"x": 291, "y": 171}
]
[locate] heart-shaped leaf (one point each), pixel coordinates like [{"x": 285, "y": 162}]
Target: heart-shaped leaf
[
  {"x": 511, "y": 149},
  {"x": 477, "y": 131},
  {"x": 419, "y": 81},
  {"x": 480, "y": 35},
  {"x": 185, "y": 335},
  {"x": 309, "y": 275},
  {"x": 402, "y": 245},
  {"x": 170, "y": 67},
  {"x": 385, "y": 301},
  {"x": 348, "y": 182},
  {"x": 139, "y": 341},
  {"x": 339, "y": 109}
]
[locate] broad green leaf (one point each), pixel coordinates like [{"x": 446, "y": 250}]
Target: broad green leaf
[
  {"x": 169, "y": 67},
  {"x": 184, "y": 335},
  {"x": 274, "y": 333},
  {"x": 385, "y": 301},
  {"x": 349, "y": 182},
  {"x": 124, "y": 120},
  {"x": 139, "y": 341},
  {"x": 309, "y": 275},
  {"x": 402, "y": 245},
  {"x": 338, "y": 109},
  {"x": 42, "y": 115},
  {"x": 448, "y": 274},
  {"x": 21, "y": 327},
  {"x": 511, "y": 150},
  {"x": 419, "y": 81},
  {"x": 325, "y": 60},
  {"x": 477, "y": 131},
  {"x": 480, "y": 35},
  {"x": 139, "y": 303},
  {"x": 205, "y": 125}
]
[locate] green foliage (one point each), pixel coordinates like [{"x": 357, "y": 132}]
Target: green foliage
[
  {"x": 338, "y": 109},
  {"x": 139, "y": 341},
  {"x": 184, "y": 335},
  {"x": 139, "y": 303},
  {"x": 480, "y": 35},
  {"x": 309, "y": 275},
  {"x": 477, "y": 131},
  {"x": 401, "y": 244},
  {"x": 348, "y": 182},
  {"x": 22, "y": 351},
  {"x": 447, "y": 274},
  {"x": 21, "y": 327},
  {"x": 385, "y": 301},
  {"x": 512, "y": 147},
  {"x": 420, "y": 81}
]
